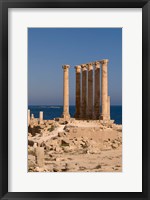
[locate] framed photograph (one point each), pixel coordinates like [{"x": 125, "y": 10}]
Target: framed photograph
[{"x": 74, "y": 99}]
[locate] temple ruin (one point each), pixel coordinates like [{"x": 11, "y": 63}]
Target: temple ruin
[{"x": 91, "y": 92}]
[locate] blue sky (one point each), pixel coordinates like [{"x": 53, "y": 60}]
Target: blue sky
[{"x": 50, "y": 48}]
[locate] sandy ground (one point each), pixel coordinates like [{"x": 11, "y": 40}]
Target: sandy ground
[{"x": 79, "y": 146}]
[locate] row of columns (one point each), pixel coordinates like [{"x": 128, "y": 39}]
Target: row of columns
[
  {"x": 31, "y": 116},
  {"x": 85, "y": 107}
]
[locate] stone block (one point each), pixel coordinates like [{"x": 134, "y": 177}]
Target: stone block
[{"x": 39, "y": 153}]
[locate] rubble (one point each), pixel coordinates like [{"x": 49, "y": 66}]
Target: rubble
[{"x": 57, "y": 147}]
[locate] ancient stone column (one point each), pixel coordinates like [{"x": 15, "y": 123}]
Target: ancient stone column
[
  {"x": 90, "y": 91},
  {"x": 32, "y": 116},
  {"x": 104, "y": 115},
  {"x": 108, "y": 108},
  {"x": 41, "y": 117},
  {"x": 39, "y": 154},
  {"x": 97, "y": 91},
  {"x": 78, "y": 93},
  {"x": 66, "y": 114},
  {"x": 28, "y": 117},
  {"x": 84, "y": 92}
]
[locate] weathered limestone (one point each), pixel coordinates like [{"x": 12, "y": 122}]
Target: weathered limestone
[
  {"x": 90, "y": 91},
  {"x": 78, "y": 93},
  {"x": 87, "y": 103},
  {"x": 108, "y": 109},
  {"x": 39, "y": 154},
  {"x": 32, "y": 116},
  {"x": 28, "y": 117},
  {"x": 66, "y": 114},
  {"x": 41, "y": 117},
  {"x": 84, "y": 92},
  {"x": 97, "y": 91},
  {"x": 104, "y": 115}
]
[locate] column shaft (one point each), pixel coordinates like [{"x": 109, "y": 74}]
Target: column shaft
[
  {"x": 28, "y": 117},
  {"x": 108, "y": 104},
  {"x": 39, "y": 154},
  {"x": 84, "y": 91},
  {"x": 41, "y": 117},
  {"x": 66, "y": 114},
  {"x": 90, "y": 91},
  {"x": 97, "y": 91},
  {"x": 104, "y": 115},
  {"x": 78, "y": 93}
]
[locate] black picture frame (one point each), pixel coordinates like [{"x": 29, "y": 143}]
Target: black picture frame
[{"x": 4, "y": 6}]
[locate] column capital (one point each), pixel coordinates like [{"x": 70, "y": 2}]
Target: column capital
[
  {"x": 105, "y": 61},
  {"x": 89, "y": 66},
  {"x": 66, "y": 66},
  {"x": 78, "y": 68},
  {"x": 97, "y": 65},
  {"x": 84, "y": 67}
]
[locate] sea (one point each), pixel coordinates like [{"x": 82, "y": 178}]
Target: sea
[{"x": 51, "y": 111}]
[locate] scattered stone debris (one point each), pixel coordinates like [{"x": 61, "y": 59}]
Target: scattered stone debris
[{"x": 57, "y": 146}]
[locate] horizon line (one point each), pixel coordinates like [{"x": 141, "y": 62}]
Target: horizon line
[{"x": 62, "y": 105}]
